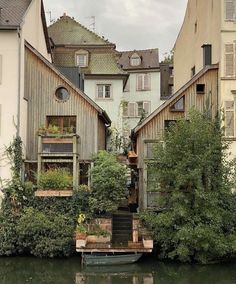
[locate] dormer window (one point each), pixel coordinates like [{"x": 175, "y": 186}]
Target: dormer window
[
  {"x": 81, "y": 58},
  {"x": 135, "y": 59}
]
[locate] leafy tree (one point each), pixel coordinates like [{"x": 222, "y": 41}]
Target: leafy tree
[
  {"x": 168, "y": 57},
  {"x": 198, "y": 217},
  {"x": 108, "y": 183}
]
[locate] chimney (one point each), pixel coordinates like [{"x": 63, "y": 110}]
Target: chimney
[{"x": 207, "y": 56}]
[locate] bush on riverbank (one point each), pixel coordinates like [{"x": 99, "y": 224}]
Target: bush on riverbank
[{"x": 197, "y": 221}]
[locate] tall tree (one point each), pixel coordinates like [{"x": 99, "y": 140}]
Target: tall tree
[{"x": 194, "y": 177}]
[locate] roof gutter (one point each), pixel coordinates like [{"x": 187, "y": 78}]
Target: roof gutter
[{"x": 7, "y": 28}]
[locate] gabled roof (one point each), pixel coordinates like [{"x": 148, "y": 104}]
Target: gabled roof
[
  {"x": 100, "y": 111},
  {"x": 149, "y": 59},
  {"x": 179, "y": 93},
  {"x": 67, "y": 31},
  {"x": 12, "y": 12}
]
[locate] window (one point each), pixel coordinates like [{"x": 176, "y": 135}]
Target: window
[
  {"x": 81, "y": 58},
  {"x": 200, "y": 88},
  {"x": 195, "y": 27},
  {"x": 193, "y": 71},
  {"x": 230, "y": 60},
  {"x": 104, "y": 91},
  {"x": 0, "y": 69},
  {"x": 178, "y": 106},
  {"x": 135, "y": 60},
  {"x": 143, "y": 108},
  {"x": 229, "y": 118},
  {"x": 169, "y": 123},
  {"x": 143, "y": 82},
  {"x": 66, "y": 124},
  {"x": 62, "y": 94},
  {"x": 230, "y": 7},
  {"x": 136, "y": 109}
]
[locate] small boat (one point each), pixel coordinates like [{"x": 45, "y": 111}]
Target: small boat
[{"x": 110, "y": 259}]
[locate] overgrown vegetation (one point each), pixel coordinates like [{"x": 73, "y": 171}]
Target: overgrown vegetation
[
  {"x": 58, "y": 178},
  {"x": 108, "y": 183},
  {"x": 197, "y": 220}
]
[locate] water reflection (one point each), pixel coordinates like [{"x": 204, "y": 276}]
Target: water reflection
[
  {"x": 23, "y": 270},
  {"x": 130, "y": 274}
]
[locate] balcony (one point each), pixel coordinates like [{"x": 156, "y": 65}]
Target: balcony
[{"x": 58, "y": 145}]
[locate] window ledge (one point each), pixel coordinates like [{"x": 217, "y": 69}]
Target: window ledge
[
  {"x": 104, "y": 99},
  {"x": 229, "y": 138},
  {"x": 177, "y": 110},
  {"x": 228, "y": 78}
]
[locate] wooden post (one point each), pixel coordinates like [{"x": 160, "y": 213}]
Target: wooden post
[
  {"x": 39, "y": 157},
  {"x": 75, "y": 162}
]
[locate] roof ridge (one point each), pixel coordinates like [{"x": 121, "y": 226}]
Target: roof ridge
[
  {"x": 84, "y": 27},
  {"x": 138, "y": 50}
]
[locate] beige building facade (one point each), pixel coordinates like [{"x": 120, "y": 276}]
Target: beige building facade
[
  {"x": 210, "y": 23},
  {"x": 19, "y": 22}
]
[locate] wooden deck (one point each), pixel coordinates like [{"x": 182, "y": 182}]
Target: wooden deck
[{"x": 110, "y": 248}]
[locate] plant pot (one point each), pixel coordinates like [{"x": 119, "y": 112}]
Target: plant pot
[
  {"x": 53, "y": 193},
  {"x": 81, "y": 243},
  {"x": 98, "y": 239},
  {"x": 80, "y": 236},
  {"x": 148, "y": 243}
]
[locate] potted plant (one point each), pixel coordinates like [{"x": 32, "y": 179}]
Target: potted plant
[
  {"x": 98, "y": 235},
  {"x": 81, "y": 231}
]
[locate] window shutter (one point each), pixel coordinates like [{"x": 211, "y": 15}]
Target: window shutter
[
  {"x": 139, "y": 82},
  {"x": 146, "y": 81},
  {"x": 125, "y": 108},
  {"x": 100, "y": 91},
  {"x": 132, "y": 109},
  {"x": 229, "y": 60},
  {"x": 229, "y": 118},
  {"x": 230, "y": 9},
  {"x": 146, "y": 107}
]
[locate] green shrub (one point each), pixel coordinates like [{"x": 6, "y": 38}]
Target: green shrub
[
  {"x": 108, "y": 183},
  {"x": 44, "y": 235},
  {"x": 56, "y": 178}
]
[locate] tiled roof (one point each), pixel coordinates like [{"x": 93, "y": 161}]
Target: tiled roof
[
  {"x": 103, "y": 63},
  {"x": 68, "y": 31},
  {"x": 12, "y": 12},
  {"x": 149, "y": 59}
]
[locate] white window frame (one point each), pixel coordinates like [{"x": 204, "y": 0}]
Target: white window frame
[
  {"x": 145, "y": 82},
  {"x": 81, "y": 54},
  {"x": 230, "y": 6},
  {"x": 135, "y": 59},
  {"x": 135, "y": 112},
  {"x": 103, "y": 87}
]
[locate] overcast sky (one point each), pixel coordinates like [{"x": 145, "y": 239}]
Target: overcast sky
[{"x": 130, "y": 24}]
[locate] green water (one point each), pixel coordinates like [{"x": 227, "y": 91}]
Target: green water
[{"x": 23, "y": 270}]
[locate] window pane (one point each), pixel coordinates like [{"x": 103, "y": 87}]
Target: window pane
[
  {"x": 140, "y": 108},
  {"x": 125, "y": 108},
  {"x": 107, "y": 91},
  {"x": 229, "y": 9},
  {"x": 100, "y": 91}
]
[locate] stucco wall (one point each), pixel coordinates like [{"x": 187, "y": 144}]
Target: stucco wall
[
  {"x": 113, "y": 105},
  {"x": 201, "y": 25},
  {"x": 8, "y": 95}
]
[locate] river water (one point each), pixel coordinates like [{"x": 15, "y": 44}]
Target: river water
[{"x": 23, "y": 270}]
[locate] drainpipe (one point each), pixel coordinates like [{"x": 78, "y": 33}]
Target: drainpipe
[{"x": 19, "y": 83}]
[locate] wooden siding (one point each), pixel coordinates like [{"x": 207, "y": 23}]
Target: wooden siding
[
  {"x": 101, "y": 135},
  {"x": 153, "y": 129},
  {"x": 40, "y": 86}
]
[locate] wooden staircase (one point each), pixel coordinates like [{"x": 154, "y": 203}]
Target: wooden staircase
[{"x": 122, "y": 226}]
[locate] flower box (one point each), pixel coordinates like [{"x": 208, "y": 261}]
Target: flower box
[
  {"x": 81, "y": 243},
  {"x": 53, "y": 193}
]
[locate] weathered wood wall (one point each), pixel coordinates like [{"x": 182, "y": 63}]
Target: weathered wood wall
[
  {"x": 154, "y": 128},
  {"x": 40, "y": 88}
]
